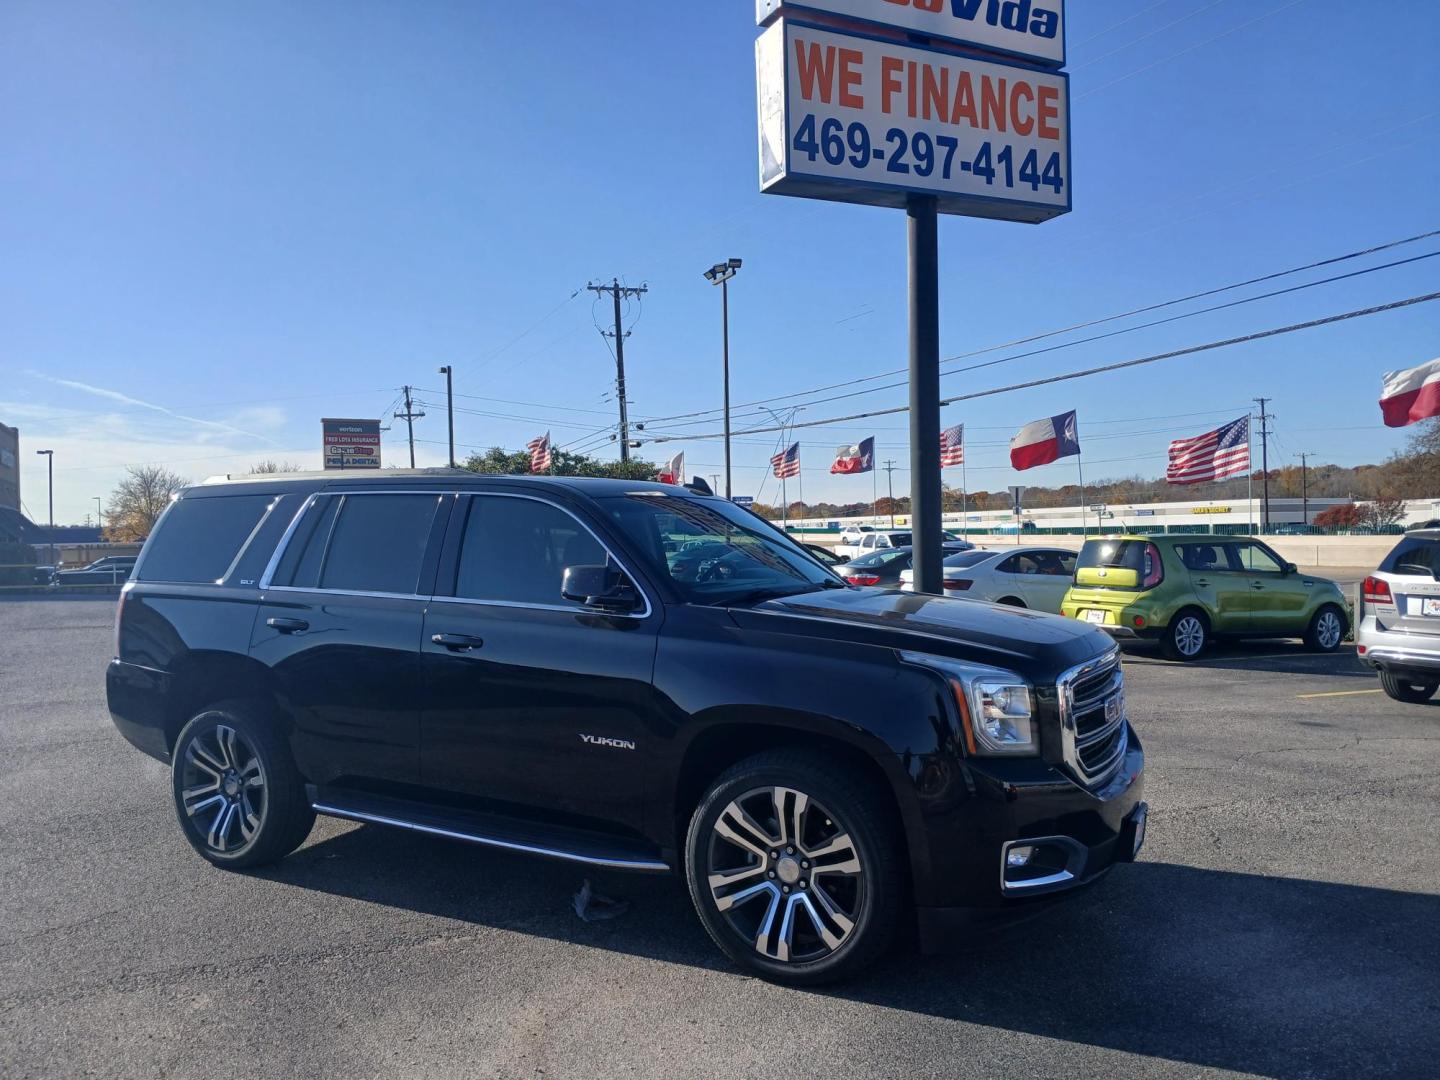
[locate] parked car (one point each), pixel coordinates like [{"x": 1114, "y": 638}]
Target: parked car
[
  {"x": 879, "y": 568},
  {"x": 515, "y": 662},
  {"x": 110, "y": 570},
  {"x": 850, "y": 538},
  {"x": 1027, "y": 577},
  {"x": 826, "y": 556},
  {"x": 1185, "y": 591},
  {"x": 1397, "y": 626},
  {"x": 884, "y": 539}
]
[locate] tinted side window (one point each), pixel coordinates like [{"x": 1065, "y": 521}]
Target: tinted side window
[
  {"x": 378, "y": 543},
  {"x": 516, "y": 551},
  {"x": 1256, "y": 559},
  {"x": 1414, "y": 558},
  {"x": 201, "y": 537},
  {"x": 1203, "y": 557}
]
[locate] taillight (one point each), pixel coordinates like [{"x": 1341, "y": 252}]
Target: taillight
[
  {"x": 958, "y": 584},
  {"x": 1376, "y": 590},
  {"x": 863, "y": 579}
]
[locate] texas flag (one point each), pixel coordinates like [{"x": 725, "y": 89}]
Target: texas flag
[
  {"x": 1412, "y": 395},
  {"x": 673, "y": 471},
  {"x": 1045, "y": 441},
  {"x": 855, "y": 458}
]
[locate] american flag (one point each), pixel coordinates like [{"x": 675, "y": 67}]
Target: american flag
[
  {"x": 1212, "y": 456},
  {"x": 539, "y": 453},
  {"x": 787, "y": 465},
  {"x": 952, "y": 446}
]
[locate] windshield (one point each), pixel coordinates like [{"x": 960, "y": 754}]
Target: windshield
[
  {"x": 881, "y": 558},
  {"x": 714, "y": 552}
]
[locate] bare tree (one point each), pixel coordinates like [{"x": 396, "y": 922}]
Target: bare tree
[
  {"x": 139, "y": 500},
  {"x": 268, "y": 466}
]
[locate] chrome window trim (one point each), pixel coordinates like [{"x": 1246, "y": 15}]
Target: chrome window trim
[
  {"x": 279, "y": 552},
  {"x": 576, "y": 609},
  {"x": 240, "y": 554},
  {"x": 652, "y": 865}
]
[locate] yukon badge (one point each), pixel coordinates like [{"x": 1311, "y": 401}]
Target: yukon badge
[{"x": 601, "y": 740}]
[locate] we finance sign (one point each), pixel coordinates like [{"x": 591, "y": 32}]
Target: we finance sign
[
  {"x": 855, "y": 118},
  {"x": 1030, "y": 29}
]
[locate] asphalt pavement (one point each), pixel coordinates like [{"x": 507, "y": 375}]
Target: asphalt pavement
[{"x": 1284, "y": 919}]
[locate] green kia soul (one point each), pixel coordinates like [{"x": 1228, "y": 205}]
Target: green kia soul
[{"x": 1186, "y": 590}]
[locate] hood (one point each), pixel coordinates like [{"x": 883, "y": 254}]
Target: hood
[{"x": 1038, "y": 645}]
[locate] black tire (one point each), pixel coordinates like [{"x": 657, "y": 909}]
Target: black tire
[
  {"x": 842, "y": 806},
  {"x": 1187, "y": 637},
  {"x": 218, "y": 757},
  {"x": 1327, "y": 630},
  {"x": 1404, "y": 689},
  {"x": 1011, "y": 601}
]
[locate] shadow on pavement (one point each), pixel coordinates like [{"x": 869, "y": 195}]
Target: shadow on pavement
[
  {"x": 1282, "y": 977},
  {"x": 1280, "y": 657}
]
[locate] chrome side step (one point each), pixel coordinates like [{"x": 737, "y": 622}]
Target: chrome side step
[{"x": 493, "y": 838}]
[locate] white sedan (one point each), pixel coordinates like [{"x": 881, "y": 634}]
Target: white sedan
[{"x": 1028, "y": 577}]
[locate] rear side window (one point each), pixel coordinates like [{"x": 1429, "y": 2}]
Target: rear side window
[
  {"x": 1207, "y": 556},
  {"x": 1415, "y": 557},
  {"x": 378, "y": 543},
  {"x": 199, "y": 538}
]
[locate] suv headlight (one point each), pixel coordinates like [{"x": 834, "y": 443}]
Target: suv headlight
[{"x": 996, "y": 707}]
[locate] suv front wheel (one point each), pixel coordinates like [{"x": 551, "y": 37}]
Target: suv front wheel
[
  {"x": 795, "y": 868},
  {"x": 238, "y": 795}
]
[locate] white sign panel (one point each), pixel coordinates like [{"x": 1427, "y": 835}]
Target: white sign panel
[
  {"x": 1033, "y": 29},
  {"x": 854, "y": 119}
]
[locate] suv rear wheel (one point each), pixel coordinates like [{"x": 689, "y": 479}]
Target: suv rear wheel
[
  {"x": 1404, "y": 689},
  {"x": 795, "y": 868},
  {"x": 239, "y": 798},
  {"x": 1186, "y": 636}
]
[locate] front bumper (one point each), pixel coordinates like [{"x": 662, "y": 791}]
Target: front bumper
[{"x": 1025, "y": 802}]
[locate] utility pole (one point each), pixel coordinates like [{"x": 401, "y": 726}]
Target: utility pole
[
  {"x": 1265, "y": 419},
  {"x": 50, "y": 478},
  {"x": 410, "y": 416},
  {"x": 99, "y": 517},
  {"x": 890, "y": 486},
  {"x": 618, "y": 292},
  {"x": 1305, "y": 457},
  {"x": 449, "y": 374}
]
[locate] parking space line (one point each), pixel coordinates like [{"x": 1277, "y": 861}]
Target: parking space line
[{"x": 1341, "y": 693}]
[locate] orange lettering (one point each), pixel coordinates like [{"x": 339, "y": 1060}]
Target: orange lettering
[
  {"x": 937, "y": 94},
  {"x": 1049, "y": 112},
  {"x": 811, "y": 64},
  {"x": 889, "y": 80},
  {"x": 992, "y": 103},
  {"x": 850, "y": 60},
  {"x": 1021, "y": 90},
  {"x": 964, "y": 106}
]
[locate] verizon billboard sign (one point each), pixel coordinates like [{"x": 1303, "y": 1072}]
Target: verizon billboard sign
[
  {"x": 1030, "y": 29},
  {"x": 351, "y": 444}
]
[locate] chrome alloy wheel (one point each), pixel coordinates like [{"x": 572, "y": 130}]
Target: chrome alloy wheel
[
  {"x": 223, "y": 789},
  {"x": 1189, "y": 636},
  {"x": 1328, "y": 630},
  {"x": 785, "y": 874}
]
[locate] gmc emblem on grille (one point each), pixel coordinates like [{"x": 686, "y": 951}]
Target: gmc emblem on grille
[{"x": 1114, "y": 708}]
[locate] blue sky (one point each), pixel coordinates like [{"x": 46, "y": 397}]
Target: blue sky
[{"x": 223, "y": 221}]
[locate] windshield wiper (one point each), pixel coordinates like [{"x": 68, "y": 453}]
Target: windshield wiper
[{"x": 776, "y": 592}]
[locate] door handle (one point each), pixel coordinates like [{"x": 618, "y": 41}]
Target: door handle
[
  {"x": 1257, "y": 586},
  {"x": 457, "y": 642},
  {"x": 1203, "y": 584},
  {"x": 287, "y": 626}
]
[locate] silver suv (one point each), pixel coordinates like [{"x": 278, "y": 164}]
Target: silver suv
[{"x": 1398, "y": 625}]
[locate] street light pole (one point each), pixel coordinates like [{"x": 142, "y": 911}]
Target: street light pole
[
  {"x": 99, "y": 517},
  {"x": 50, "y": 483},
  {"x": 450, "y": 407},
  {"x": 720, "y": 274}
]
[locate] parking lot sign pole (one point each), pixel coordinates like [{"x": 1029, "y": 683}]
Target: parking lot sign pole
[{"x": 925, "y": 513}]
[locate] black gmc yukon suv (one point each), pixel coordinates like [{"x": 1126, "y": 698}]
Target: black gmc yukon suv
[{"x": 625, "y": 675}]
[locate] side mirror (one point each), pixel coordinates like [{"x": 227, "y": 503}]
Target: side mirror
[
  {"x": 602, "y": 587},
  {"x": 1291, "y": 568}
]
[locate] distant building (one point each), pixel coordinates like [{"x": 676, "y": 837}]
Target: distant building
[{"x": 9, "y": 468}]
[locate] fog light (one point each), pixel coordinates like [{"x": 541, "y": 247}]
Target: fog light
[{"x": 1019, "y": 856}]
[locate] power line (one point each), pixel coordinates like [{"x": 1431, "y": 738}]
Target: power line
[
  {"x": 1120, "y": 365},
  {"x": 1085, "y": 325}
]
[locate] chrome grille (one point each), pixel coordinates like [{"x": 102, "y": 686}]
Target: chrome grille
[{"x": 1092, "y": 718}]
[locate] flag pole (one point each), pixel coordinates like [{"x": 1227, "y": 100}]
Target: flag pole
[
  {"x": 1250, "y": 468},
  {"x": 874, "y": 494},
  {"x": 1084, "y": 518},
  {"x": 964, "y": 496},
  {"x": 800, "y": 479}
]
